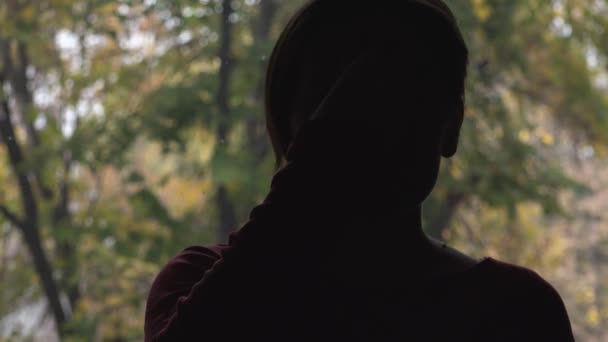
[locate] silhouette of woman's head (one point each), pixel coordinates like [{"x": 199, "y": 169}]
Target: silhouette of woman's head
[
  {"x": 326, "y": 36},
  {"x": 397, "y": 65}
]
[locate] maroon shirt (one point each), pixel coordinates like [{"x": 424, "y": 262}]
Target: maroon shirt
[
  {"x": 273, "y": 282},
  {"x": 493, "y": 301}
]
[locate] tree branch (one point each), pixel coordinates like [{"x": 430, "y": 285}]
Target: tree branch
[
  {"x": 7, "y": 136},
  {"x": 5, "y": 53},
  {"x": 16, "y": 74},
  {"x": 10, "y": 216},
  {"x": 4, "y": 257}
]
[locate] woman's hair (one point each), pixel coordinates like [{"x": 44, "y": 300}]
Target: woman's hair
[{"x": 326, "y": 36}]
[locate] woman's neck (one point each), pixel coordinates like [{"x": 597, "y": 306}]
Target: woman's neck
[
  {"x": 383, "y": 251},
  {"x": 397, "y": 232}
]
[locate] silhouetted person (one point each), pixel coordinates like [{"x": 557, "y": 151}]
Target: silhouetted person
[{"x": 363, "y": 100}]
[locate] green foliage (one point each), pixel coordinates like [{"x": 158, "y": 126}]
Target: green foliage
[
  {"x": 170, "y": 110},
  {"x": 128, "y": 118}
]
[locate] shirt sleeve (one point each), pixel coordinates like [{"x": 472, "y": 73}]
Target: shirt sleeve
[
  {"x": 533, "y": 309},
  {"x": 173, "y": 285},
  {"x": 525, "y": 307},
  {"x": 548, "y": 318}
]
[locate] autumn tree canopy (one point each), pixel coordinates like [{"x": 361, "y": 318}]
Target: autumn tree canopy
[{"x": 132, "y": 129}]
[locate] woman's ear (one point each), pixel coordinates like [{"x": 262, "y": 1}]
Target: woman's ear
[{"x": 451, "y": 132}]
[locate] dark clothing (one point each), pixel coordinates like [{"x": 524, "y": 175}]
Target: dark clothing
[
  {"x": 493, "y": 301},
  {"x": 274, "y": 282}
]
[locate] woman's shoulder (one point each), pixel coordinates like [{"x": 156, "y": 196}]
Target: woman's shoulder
[
  {"x": 197, "y": 256},
  {"x": 496, "y": 278},
  {"x": 527, "y": 298},
  {"x": 516, "y": 278},
  {"x": 511, "y": 281},
  {"x": 530, "y": 295}
]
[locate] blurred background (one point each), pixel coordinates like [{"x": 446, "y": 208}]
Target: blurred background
[{"x": 130, "y": 129}]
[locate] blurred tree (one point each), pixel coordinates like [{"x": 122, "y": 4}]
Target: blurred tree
[{"x": 132, "y": 129}]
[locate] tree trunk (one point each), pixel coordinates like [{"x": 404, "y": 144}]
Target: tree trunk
[
  {"x": 29, "y": 223},
  {"x": 227, "y": 214},
  {"x": 16, "y": 60},
  {"x": 256, "y": 129},
  {"x": 16, "y": 73},
  {"x": 44, "y": 270},
  {"x": 66, "y": 250}
]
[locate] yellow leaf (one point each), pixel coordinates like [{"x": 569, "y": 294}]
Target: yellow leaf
[
  {"x": 593, "y": 317},
  {"x": 456, "y": 171},
  {"x": 524, "y": 136},
  {"x": 481, "y": 9},
  {"x": 548, "y": 139}
]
